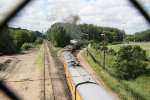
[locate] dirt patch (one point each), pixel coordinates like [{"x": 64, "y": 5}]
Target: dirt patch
[
  {"x": 4, "y": 63},
  {"x": 23, "y": 76}
]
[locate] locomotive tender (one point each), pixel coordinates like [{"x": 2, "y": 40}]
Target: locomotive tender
[{"x": 81, "y": 84}]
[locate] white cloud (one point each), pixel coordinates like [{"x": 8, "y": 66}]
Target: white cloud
[{"x": 40, "y": 14}]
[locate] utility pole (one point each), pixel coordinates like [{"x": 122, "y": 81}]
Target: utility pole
[
  {"x": 104, "y": 43},
  {"x": 87, "y": 44}
]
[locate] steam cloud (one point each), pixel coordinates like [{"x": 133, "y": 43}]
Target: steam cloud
[{"x": 60, "y": 12}]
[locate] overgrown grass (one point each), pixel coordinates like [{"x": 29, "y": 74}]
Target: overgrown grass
[
  {"x": 99, "y": 55},
  {"x": 111, "y": 82},
  {"x": 27, "y": 46},
  {"x": 141, "y": 85},
  {"x": 115, "y": 47},
  {"x": 40, "y": 57}
]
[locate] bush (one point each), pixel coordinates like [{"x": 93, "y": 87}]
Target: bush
[
  {"x": 99, "y": 46},
  {"x": 58, "y": 36},
  {"x": 39, "y": 41},
  {"x": 130, "y": 62},
  {"x": 112, "y": 52},
  {"x": 102, "y": 48},
  {"x": 84, "y": 42},
  {"x": 115, "y": 43},
  {"x": 27, "y": 46},
  {"x": 96, "y": 46}
]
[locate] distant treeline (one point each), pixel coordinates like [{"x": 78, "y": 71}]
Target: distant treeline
[
  {"x": 11, "y": 39},
  {"x": 139, "y": 36},
  {"x": 96, "y": 33},
  {"x": 60, "y": 33}
]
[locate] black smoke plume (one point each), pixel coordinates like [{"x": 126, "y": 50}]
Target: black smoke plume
[{"x": 72, "y": 19}]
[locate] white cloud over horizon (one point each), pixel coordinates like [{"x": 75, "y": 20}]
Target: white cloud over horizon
[{"x": 41, "y": 14}]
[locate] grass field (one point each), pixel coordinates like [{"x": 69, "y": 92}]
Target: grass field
[{"x": 144, "y": 45}]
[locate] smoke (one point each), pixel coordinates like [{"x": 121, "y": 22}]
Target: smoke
[
  {"x": 61, "y": 11},
  {"x": 72, "y": 19},
  {"x": 64, "y": 11}
]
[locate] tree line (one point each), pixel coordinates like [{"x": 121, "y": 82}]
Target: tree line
[
  {"x": 96, "y": 33},
  {"x": 139, "y": 36},
  {"x": 11, "y": 39},
  {"x": 59, "y": 35}
]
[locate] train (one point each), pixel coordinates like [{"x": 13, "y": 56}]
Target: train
[{"x": 82, "y": 86}]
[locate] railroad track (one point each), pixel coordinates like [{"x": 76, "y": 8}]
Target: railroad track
[{"x": 60, "y": 89}]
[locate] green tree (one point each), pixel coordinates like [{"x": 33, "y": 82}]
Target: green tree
[
  {"x": 111, "y": 51},
  {"x": 39, "y": 41},
  {"x": 21, "y": 36},
  {"x": 6, "y": 41},
  {"x": 142, "y": 36},
  {"x": 93, "y": 32},
  {"x": 11, "y": 39},
  {"x": 130, "y": 62},
  {"x": 57, "y": 35},
  {"x": 129, "y": 38}
]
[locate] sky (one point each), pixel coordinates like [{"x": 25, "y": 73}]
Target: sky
[{"x": 41, "y": 14}]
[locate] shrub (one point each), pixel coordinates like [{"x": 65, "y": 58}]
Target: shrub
[
  {"x": 96, "y": 46},
  {"x": 102, "y": 48},
  {"x": 115, "y": 43},
  {"x": 27, "y": 46},
  {"x": 130, "y": 62},
  {"x": 39, "y": 41},
  {"x": 84, "y": 42},
  {"x": 112, "y": 52}
]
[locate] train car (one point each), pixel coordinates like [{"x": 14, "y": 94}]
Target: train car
[{"x": 81, "y": 84}]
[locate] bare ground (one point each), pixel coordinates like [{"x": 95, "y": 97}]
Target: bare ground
[{"x": 24, "y": 77}]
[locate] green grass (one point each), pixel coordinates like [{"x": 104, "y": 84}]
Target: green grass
[
  {"x": 141, "y": 85},
  {"x": 111, "y": 82},
  {"x": 99, "y": 55},
  {"x": 40, "y": 57},
  {"x": 148, "y": 53},
  {"x": 115, "y": 47}
]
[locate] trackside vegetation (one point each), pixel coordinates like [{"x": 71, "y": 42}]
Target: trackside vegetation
[
  {"x": 130, "y": 62},
  {"x": 27, "y": 46},
  {"x": 40, "y": 58}
]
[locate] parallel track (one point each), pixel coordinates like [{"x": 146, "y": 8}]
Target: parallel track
[{"x": 57, "y": 75}]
